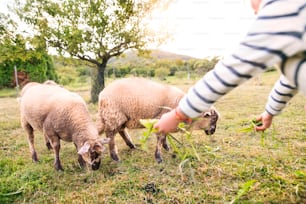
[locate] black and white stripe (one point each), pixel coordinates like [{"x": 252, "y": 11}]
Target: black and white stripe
[{"x": 276, "y": 37}]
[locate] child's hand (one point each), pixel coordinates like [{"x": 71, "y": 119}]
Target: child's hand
[
  {"x": 266, "y": 121},
  {"x": 167, "y": 123}
]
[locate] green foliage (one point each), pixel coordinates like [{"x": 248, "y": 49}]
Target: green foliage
[
  {"x": 188, "y": 150},
  {"x": 68, "y": 75},
  {"x": 72, "y": 72},
  {"x": 243, "y": 190},
  {"x": 162, "y": 73},
  {"x": 16, "y": 52},
  {"x": 181, "y": 74},
  {"x": 39, "y": 68},
  {"x": 15, "y": 180},
  {"x": 122, "y": 71},
  {"x": 185, "y": 151},
  {"x": 149, "y": 126},
  {"x": 143, "y": 72},
  {"x": 251, "y": 128},
  {"x": 175, "y": 65},
  {"x": 300, "y": 188}
]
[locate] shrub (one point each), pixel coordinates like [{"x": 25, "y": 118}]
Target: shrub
[
  {"x": 38, "y": 67},
  {"x": 162, "y": 73}
]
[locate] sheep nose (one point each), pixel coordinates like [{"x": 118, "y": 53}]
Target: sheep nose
[
  {"x": 210, "y": 131},
  {"x": 95, "y": 165}
]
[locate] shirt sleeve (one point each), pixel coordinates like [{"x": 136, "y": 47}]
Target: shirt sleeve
[
  {"x": 276, "y": 35},
  {"x": 279, "y": 96}
]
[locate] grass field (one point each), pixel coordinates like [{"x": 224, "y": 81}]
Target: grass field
[{"x": 233, "y": 166}]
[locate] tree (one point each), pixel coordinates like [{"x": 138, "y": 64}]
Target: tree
[{"x": 91, "y": 30}]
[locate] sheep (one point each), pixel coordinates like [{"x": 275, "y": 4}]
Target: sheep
[
  {"x": 60, "y": 115},
  {"x": 125, "y": 101}
]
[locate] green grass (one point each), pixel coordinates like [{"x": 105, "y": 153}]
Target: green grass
[
  {"x": 9, "y": 92},
  {"x": 234, "y": 166}
]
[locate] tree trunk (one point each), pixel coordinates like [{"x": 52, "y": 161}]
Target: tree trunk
[{"x": 98, "y": 83}]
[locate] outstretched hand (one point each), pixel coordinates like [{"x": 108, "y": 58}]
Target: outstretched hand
[
  {"x": 266, "y": 120},
  {"x": 167, "y": 123}
]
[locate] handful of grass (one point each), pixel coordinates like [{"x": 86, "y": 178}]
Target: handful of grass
[
  {"x": 187, "y": 149},
  {"x": 251, "y": 128},
  {"x": 149, "y": 125},
  {"x": 252, "y": 124}
]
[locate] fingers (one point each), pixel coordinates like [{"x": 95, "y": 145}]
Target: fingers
[
  {"x": 266, "y": 120},
  {"x": 259, "y": 118},
  {"x": 260, "y": 128}
]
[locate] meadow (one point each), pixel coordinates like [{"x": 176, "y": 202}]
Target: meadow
[{"x": 235, "y": 165}]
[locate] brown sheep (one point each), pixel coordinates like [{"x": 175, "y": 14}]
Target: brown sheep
[
  {"x": 60, "y": 115},
  {"x": 125, "y": 101}
]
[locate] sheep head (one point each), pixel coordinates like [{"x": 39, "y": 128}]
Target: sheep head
[
  {"x": 91, "y": 152},
  {"x": 207, "y": 121}
]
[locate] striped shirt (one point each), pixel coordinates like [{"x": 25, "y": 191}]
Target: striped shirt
[{"x": 276, "y": 37}]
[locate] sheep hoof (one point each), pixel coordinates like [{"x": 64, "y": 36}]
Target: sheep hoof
[
  {"x": 49, "y": 146},
  {"x": 166, "y": 147},
  {"x": 115, "y": 157},
  {"x": 158, "y": 158},
  {"x": 132, "y": 146},
  {"x": 34, "y": 157},
  {"x": 58, "y": 167}
]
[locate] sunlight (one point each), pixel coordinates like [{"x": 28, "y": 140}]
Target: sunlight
[{"x": 204, "y": 28}]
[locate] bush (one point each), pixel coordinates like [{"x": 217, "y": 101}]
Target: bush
[
  {"x": 162, "y": 73},
  {"x": 39, "y": 68},
  {"x": 181, "y": 74},
  {"x": 68, "y": 74}
]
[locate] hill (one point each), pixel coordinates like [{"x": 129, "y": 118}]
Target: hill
[{"x": 132, "y": 57}]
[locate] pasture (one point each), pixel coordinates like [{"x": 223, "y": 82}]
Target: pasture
[{"x": 234, "y": 166}]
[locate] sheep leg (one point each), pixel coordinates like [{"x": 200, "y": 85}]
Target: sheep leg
[
  {"x": 165, "y": 144},
  {"x": 48, "y": 145},
  {"x": 47, "y": 140},
  {"x": 160, "y": 139},
  {"x": 112, "y": 146},
  {"x": 55, "y": 142},
  {"x": 81, "y": 161},
  {"x": 28, "y": 128},
  {"x": 54, "y": 139},
  {"x": 127, "y": 138}
]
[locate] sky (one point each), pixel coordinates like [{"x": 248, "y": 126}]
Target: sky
[{"x": 200, "y": 28}]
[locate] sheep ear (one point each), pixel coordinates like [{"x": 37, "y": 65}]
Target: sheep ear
[
  {"x": 99, "y": 147},
  {"x": 104, "y": 140},
  {"x": 84, "y": 148}
]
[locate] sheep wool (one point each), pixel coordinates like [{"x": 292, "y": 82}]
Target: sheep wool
[
  {"x": 60, "y": 115},
  {"x": 125, "y": 101}
]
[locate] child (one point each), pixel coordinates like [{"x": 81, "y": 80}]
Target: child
[{"x": 276, "y": 37}]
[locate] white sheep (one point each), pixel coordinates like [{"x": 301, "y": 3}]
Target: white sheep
[
  {"x": 60, "y": 115},
  {"x": 125, "y": 101}
]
